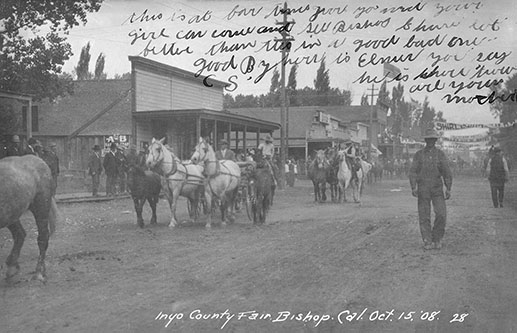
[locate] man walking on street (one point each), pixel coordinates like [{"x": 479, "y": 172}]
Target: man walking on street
[
  {"x": 95, "y": 169},
  {"x": 427, "y": 175},
  {"x": 497, "y": 171}
]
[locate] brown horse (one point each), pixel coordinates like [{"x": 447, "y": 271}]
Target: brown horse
[
  {"x": 263, "y": 189},
  {"x": 144, "y": 185},
  {"x": 26, "y": 184},
  {"x": 318, "y": 174}
]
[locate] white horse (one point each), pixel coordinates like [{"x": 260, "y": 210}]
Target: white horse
[
  {"x": 362, "y": 175},
  {"x": 223, "y": 179},
  {"x": 181, "y": 179},
  {"x": 344, "y": 175}
]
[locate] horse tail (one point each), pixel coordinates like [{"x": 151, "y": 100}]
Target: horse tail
[{"x": 53, "y": 216}]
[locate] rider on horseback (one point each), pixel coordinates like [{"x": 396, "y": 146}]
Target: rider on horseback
[
  {"x": 353, "y": 154},
  {"x": 268, "y": 151}
]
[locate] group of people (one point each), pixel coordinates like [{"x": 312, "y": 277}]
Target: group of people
[
  {"x": 14, "y": 147},
  {"x": 430, "y": 172},
  {"x": 115, "y": 164}
]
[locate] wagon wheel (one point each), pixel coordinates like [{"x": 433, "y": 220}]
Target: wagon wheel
[{"x": 247, "y": 197}]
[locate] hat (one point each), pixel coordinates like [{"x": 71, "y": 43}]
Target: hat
[
  {"x": 431, "y": 133},
  {"x": 113, "y": 145},
  {"x": 32, "y": 141},
  {"x": 16, "y": 138},
  {"x": 223, "y": 142},
  {"x": 52, "y": 144},
  {"x": 96, "y": 147},
  {"x": 268, "y": 138}
]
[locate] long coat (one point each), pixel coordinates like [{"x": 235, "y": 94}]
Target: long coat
[
  {"x": 110, "y": 164},
  {"x": 94, "y": 165}
]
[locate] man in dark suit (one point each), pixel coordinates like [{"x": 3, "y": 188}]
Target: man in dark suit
[
  {"x": 224, "y": 153},
  {"x": 95, "y": 168},
  {"x": 110, "y": 165}
]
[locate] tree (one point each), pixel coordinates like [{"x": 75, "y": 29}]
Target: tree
[
  {"x": 99, "y": 67},
  {"x": 274, "y": 89},
  {"x": 364, "y": 100},
  {"x": 322, "y": 84},
  {"x": 291, "y": 86},
  {"x": 507, "y": 113},
  {"x": 82, "y": 70},
  {"x": 127, "y": 75},
  {"x": 33, "y": 64},
  {"x": 427, "y": 117}
]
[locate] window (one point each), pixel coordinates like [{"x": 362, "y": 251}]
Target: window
[{"x": 34, "y": 114}]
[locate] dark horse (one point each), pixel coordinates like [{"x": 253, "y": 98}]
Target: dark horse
[
  {"x": 143, "y": 185},
  {"x": 263, "y": 189},
  {"x": 26, "y": 184},
  {"x": 318, "y": 174},
  {"x": 332, "y": 157}
]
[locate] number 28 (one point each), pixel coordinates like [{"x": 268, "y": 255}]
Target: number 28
[{"x": 458, "y": 317}]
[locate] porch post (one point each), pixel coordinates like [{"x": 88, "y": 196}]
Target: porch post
[
  {"x": 229, "y": 135},
  {"x": 215, "y": 135},
  {"x": 244, "y": 135},
  {"x": 198, "y": 127}
]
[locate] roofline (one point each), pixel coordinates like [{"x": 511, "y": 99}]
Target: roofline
[
  {"x": 16, "y": 95},
  {"x": 244, "y": 120},
  {"x": 161, "y": 67}
]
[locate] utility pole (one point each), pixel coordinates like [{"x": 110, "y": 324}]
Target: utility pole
[
  {"x": 370, "y": 137},
  {"x": 285, "y": 47}
]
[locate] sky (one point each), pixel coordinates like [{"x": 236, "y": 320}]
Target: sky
[{"x": 461, "y": 37}]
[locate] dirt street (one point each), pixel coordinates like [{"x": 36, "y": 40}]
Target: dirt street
[{"x": 311, "y": 268}]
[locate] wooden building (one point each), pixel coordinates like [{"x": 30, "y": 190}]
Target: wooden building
[{"x": 173, "y": 103}]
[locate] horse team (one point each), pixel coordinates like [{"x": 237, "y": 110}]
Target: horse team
[
  {"x": 206, "y": 179},
  {"x": 332, "y": 166}
]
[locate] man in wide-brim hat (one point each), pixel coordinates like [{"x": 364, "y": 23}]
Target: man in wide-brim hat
[
  {"x": 268, "y": 151},
  {"x": 427, "y": 175}
]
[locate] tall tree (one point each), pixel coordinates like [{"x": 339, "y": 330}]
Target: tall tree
[
  {"x": 99, "y": 67},
  {"x": 274, "y": 89},
  {"x": 83, "y": 66},
  {"x": 30, "y": 61},
  {"x": 428, "y": 115},
  {"x": 291, "y": 86},
  {"x": 322, "y": 84}
]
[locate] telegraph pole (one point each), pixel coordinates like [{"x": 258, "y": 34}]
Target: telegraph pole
[
  {"x": 370, "y": 138},
  {"x": 285, "y": 47}
]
